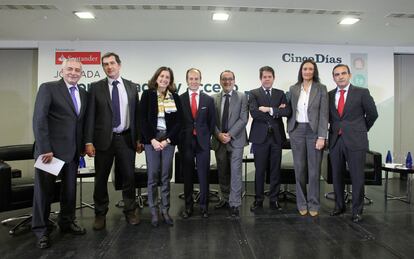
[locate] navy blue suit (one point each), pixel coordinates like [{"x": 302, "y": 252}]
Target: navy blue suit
[
  {"x": 196, "y": 147},
  {"x": 267, "y": 134}
]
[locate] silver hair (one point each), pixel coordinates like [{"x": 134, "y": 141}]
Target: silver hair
[{"x": 66, "y": 60}]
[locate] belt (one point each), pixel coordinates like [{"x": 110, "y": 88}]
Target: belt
[{"x": 123, "y": 133}]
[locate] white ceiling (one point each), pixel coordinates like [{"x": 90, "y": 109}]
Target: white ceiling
[{"x": 294, "y": 21}]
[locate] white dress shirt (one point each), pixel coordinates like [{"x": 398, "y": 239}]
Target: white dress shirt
[
  {"x": 302, "y": 105},
  {"x": 197, "y": 96},
  {"x": 338, "y": 94}
]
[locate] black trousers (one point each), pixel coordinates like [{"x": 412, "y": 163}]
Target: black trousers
[
  {"x": 267, "y": 158},
  {"x": 43, "y": 196},
  {"x": 341, "y": 156},
  {"x": 193, "y": 156},
  {"x": 124, "y": 155}
]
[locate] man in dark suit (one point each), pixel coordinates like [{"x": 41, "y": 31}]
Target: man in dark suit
[
  {"x": 111, "y": 131},
  {"x": 229, "y": 140},
  {"x": 267, "y": 107},
  {"x": 57, "y": 125},
  {"x": 352, "y": 112},
  {"x": 198, "y": 122}
]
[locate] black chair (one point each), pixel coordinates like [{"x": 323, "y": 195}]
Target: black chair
[
  {"x": 16, "y": 192},
  {"x": 212, "y": 179},
  {"x": 372, "y": 171}
]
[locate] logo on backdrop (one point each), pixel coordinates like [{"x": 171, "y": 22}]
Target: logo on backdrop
[
  {"x": 318, "y": 58},
  {"x": 86, "y": 57}
]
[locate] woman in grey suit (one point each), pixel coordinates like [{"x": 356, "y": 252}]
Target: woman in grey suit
[
  {"x": 160, "y": 126},
  {"x": 308, "y": 127}
]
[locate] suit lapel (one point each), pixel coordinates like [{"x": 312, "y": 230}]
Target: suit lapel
[
  {"x": 130, "y": 94},
  {"x": 200, "y": 104},
  {"x": 83, "y": 98},
  {"x": 332, "y": 102},
  {"x": 63, "y": 89},
  {"x": 106, "y": 92},
  {"x": 349, "y": 99},
  {"x": 233, "y": 101},
  {"x": 186, "y": 103},
  {"x": 219, "y": 99},
  {"x": 312, "y": 94}
]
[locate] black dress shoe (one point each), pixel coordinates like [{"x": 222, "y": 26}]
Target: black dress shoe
[
  {"x": 186, "y": 213},
  {"x": 167, "y": 219},
  {"x": 73, "y": 229},
  {"x": 256, "y": 206},
  {"x": 43, "y": 242},
  {"x": 222, "y": 204},
  {"x": 234, "y": 212},
  {"x": 356, "y": 218},
  {"x": 337, "y": 212},
  {"x": 204, "y": 213},
  {"x": 274, "y": 205}
]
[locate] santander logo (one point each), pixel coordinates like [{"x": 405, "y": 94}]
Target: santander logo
[{"x": 85, "y": 57}]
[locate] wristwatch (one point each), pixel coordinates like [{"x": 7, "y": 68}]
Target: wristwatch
[{"x": 168, "y": 140}]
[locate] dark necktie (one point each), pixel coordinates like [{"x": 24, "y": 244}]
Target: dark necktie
[
  {"x": 194, "y": 109},
  {"x": 116, "y": 111},
  {"x": 225, "y": 116},
  {"x": 268, "y": 96},
  {"x": 72, "y": 94}
]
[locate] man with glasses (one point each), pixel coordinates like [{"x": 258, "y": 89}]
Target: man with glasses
[{"x": 228, "y": 141}]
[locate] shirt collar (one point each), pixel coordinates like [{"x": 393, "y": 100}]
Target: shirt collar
[
  {"x": 346, "y": 88},
  {"x": 264, "y": 89},
  {"x": 191, "y": 91},
  {"x": 69, "y": 86},
  {"x": 223, "y": 93},
  {"x": 110, "y": 80}
]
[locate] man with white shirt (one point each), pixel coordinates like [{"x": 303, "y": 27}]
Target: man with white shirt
[
  {"x": 198, "y": 122},
  {"x": 112, "y": 132},
  {"x": 57, "y": 126},
  {"x": 352, "y": 112},
  {"x": 267, "y": 106}
]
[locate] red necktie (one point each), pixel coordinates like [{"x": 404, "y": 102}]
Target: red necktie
[
  {"x": 341, "y": 104},
  {"x": 194, "y": 108}
]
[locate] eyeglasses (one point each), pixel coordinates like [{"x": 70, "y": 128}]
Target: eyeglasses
[{"x": 227, "y": 79}]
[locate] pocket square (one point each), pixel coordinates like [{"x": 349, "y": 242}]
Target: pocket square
[{"x": 204, "y": 107}]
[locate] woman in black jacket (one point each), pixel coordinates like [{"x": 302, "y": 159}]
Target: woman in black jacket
[{"x": 160, "y": 110}]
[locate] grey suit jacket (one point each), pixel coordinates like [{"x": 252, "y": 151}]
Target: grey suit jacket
[
  {"x": 318, "y": 111},
  {"x": 238, "y": 116},
  {"x": 56, "y": 126},
  {"x": 358, "y": 117},
  {"x": 98, "y": 125}
]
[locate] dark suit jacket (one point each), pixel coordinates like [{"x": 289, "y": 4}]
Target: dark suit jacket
[
  {"x": 358, "y": 117},
  {"x": 98, "y": 125},
  {"x": 204, "y": 122},
  {"x": 149, "y": 116},
  {"x": 56, "y": 126},
  {"x": 262, "y": 121}
]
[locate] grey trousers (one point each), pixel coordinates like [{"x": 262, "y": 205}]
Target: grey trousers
[
  {"x": 307, "y": 163},
  {"x": 158, "y": 167},
  {"x": 229, "y": 165}
]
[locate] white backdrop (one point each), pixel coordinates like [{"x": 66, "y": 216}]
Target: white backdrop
[{"x": 141, "y": 59}]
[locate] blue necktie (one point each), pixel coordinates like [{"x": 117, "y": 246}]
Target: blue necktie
[
  {"x": 72, "y": 94},
  {"x": 116, "y": 111}
]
